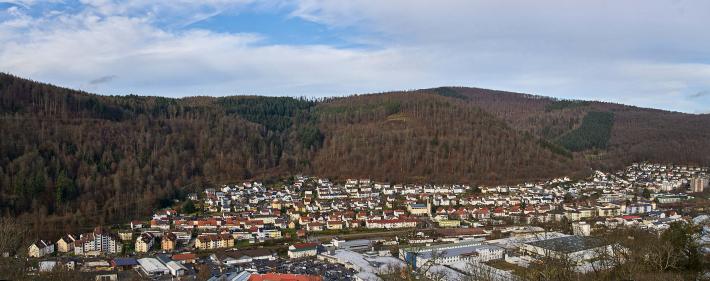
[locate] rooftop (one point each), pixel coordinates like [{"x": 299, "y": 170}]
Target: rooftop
[
  {"x": 284, "y": 277},
  {"x": 460, "y": 251},
  {"x": 569, "y": 244},
  {"x": 152, "y": 265}
]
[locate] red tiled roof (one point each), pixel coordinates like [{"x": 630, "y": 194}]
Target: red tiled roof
[
  {"x": 184, "y": 257},
  {"x": 392, "y": 221},
  {"x": 305, "y": 245}
]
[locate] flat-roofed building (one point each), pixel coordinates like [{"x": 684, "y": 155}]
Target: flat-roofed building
[
  {"x": 445, "y": 254},
  {"x": 353, "y": 245},
  {"x": 577, "y": 248},
  {"x": 153, "y": 267},
  {"x": 175, "y": 268},
  {"x": 419, "y": 209},
  {"x": 250, "y": 255}
]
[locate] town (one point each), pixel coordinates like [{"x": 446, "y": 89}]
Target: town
[{"x": 310, "y": 228}]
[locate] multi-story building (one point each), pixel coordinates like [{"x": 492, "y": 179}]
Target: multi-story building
[
  {"x": 270, "y": 233},
  {"x": 637, "y": 208},
  {"x": 97, "y": 242},
  {"x": 144, "y": 242},
  {"x": 581, "y": 228},
  {"x": 214, "y": 241},
  {"x": 66, "y": 243},
  {"x": 446, "y": 254},
  {"x": 449, "y": 223},
  {"x": 169, "y": 241},
  {"x": 302, "y": 250},
  {"x": 394, "y": 223},
  {"x": 698, "y": 184},
  {"x": 608, "y": 211},
  {"x": 125, "y": 235},
  {"x": 419, "y": 209},
  {"x": 40, "y": 248}
]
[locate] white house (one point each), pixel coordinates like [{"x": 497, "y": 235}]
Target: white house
[
  {"x": 302, "y": 250},
  {"x": 40, "y": 248},
  {"x": 144, "y": 242}
]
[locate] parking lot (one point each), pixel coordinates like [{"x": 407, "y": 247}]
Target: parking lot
[{"x": 329, "y": 272}]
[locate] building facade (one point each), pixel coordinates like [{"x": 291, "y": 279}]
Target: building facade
[
  {"x": 40, "y": 248},
  {"x": 97, "y": 242},
  {"x": 214, "y": 241},
  {"x": 144, "y": 242},
  {"x": 66, "y": 243},
  {"x": 302, "y": 250}
]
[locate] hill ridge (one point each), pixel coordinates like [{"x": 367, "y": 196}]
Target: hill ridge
[{"x": 66, "y": 154}]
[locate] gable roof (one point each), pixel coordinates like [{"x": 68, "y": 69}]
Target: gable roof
[{"x": 184, "y": 257}]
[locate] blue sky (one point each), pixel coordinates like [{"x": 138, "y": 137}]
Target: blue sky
[{"x": 645, "y": 53}]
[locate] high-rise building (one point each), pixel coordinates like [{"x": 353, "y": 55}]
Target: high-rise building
[
  {"x": 100, "y": 241},
  {"x": 698, "y": 184}
]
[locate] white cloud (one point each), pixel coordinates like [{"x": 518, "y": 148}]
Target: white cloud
[
  {"x": 76, "y": 49},
  {"x": 630, "y": 51},
  {"x": 638, "y": 52}
]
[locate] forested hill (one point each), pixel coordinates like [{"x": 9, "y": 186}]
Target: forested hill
[{"x": 70, "y": 159}]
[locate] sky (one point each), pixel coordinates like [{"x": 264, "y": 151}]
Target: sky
[{"x": 638, "y": 52}]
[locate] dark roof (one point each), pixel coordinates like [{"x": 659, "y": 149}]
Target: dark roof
[
  {"x": 124, "y": 262},
  {"x": 41, "y": 244},
  {"x": 146, "y": 237},
  {"x": 170, "y": 236},
  {"x": 569, "y": 244},
  {"x": 460, "y": 231},
  {"x": 259, "y": 252}
]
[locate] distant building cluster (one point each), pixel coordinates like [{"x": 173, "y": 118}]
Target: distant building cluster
[{"x": 455, "y": 225}]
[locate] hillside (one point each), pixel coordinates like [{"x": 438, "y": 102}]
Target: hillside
[
  {"x": 425, "y": 137},
  {"x": 635, "y": 134},
  {"x": 70, "y": 159}
]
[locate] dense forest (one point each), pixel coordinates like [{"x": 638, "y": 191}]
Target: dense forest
[
  {"x": 593, "y": 133},
  {"x": 70, "y": 159}
]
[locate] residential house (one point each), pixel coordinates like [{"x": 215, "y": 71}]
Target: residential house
[
  {"x": 144, "y": 242},
  {"x": 66, "y": 243},
  {"x": 40, "y": 248},
  {"x": 169, "y": 242},
  {"x": 388, "y": 224},
  {"x": 214, "y": 241},
  {"x": 302, "y": 250}
]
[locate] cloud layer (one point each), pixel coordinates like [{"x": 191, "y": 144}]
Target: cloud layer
[{"x": 654, "y": 54}]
